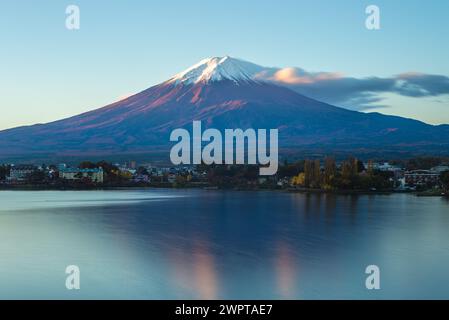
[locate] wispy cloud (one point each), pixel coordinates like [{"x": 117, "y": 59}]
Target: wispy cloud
[{"x": 357, "y": 93}]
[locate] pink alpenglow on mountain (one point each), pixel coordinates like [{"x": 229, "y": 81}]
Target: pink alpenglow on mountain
[{"x": 222, "y": 92}]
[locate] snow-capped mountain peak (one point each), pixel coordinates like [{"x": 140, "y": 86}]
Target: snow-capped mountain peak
[{"x": 217, "y": 69}]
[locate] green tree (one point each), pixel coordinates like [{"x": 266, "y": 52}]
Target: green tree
[
  {"x": 4, "y": 171},
  {"x": 370, "y": 168},
  {"x": 424, "y": 163},
  {"x": 291, "y": 169},
  {"x": 142, "y": 170},
  {"x": 316, "y": 177},
  {"x": 360, "y": 166},
  {"x": 37, "y": 176},
  {"x": 349, "y": 174},
  {"x": 308, "y": 173},
  {"x": 330, "y": 171},
  {"x": 87, "y": 165},
  {"x": 107, "y": 166},
  {"x": 445, "y": 180}
]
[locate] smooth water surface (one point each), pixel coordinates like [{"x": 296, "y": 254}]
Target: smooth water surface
[{"x": 198, "y": 244}]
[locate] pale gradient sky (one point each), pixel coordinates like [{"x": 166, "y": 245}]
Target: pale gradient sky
[{"x": 48, "y": 73}]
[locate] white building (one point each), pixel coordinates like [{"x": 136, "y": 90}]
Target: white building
[
  {"x": 96, "y": 175},
  {"x": 388, "y": 167},
  {"x": 20, "y": 172}
]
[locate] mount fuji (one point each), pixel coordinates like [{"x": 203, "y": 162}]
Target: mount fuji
[{"x": 222, "y": 92}]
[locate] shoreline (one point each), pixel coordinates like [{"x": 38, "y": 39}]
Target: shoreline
[{"x": 216, "y": 188}]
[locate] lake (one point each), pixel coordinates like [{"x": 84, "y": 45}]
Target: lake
[{"x": 212, "y": 244}]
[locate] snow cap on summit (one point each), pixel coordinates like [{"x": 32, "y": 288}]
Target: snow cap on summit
[{"x": 217, "y": 69}]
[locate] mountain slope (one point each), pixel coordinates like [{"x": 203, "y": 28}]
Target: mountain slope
[{"x": 222, "y": 94}]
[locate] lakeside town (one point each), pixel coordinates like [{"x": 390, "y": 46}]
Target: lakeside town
[{"x": 424, "y": 176}]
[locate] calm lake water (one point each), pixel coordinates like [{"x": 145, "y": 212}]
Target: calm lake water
[{"x": 189, "y": 244}]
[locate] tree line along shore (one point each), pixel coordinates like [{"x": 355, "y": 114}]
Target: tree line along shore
[{"x": 425, "y": 176}]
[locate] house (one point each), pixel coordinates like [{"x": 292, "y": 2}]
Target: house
[
  {"x": 262, "y": 180},
  {"x": 171, "y": 178},
  {"x": 20, "y": 172},
  {"x": 96, "y": 175},
  {"x": 283, "y": 182},
  {"x": 127, "y": 170},
  {"x": 142, "y": 178},
  {"x": 387, "y": 167},
  {"x": 421, "y": 177}
]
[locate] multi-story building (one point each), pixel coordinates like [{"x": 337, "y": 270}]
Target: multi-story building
[
  {"x": 20, "y": 172},
  {"x": 422, "y": 177},
  {"x": 387, "y": 167}
]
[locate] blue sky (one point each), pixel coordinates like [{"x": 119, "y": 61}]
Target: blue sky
[{"x": 48, "y": 72}]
